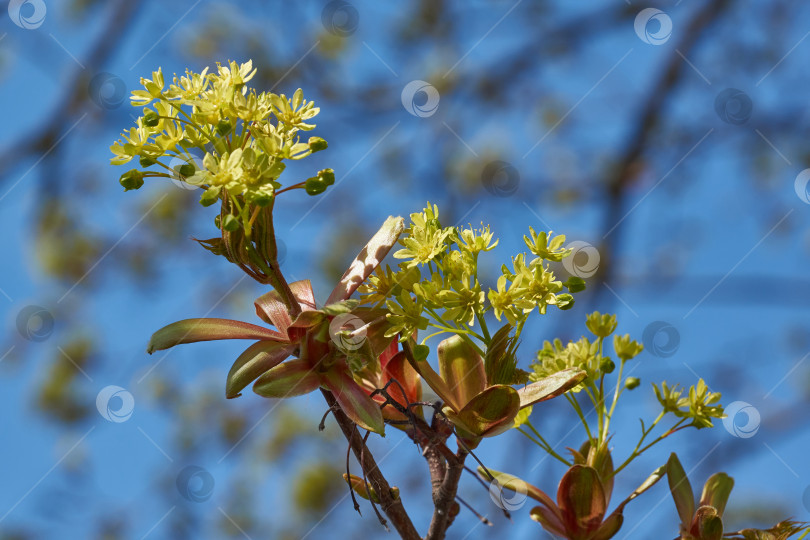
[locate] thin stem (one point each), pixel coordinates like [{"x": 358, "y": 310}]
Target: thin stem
[
  {"x": 543, "y": 444},
  {"x": 392, "y": 507},
  {"x": 575, "y": 404},
  {"x": 637, "y": 451},
  {"x": 616, "y": 393}
]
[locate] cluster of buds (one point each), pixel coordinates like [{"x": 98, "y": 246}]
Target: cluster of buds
[{"x": 211, "y": 131}]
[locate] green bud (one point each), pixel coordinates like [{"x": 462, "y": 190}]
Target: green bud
[
  {"x": 151, "y": 119},
  {"x": 327, "y": 175},
  {"x": 187, "y": 169},
  {"x": 315, "y": 186},
  {"x": 574, "y": 284},
  {"x": 217, "y": 221},
  {"x": 147, "y": 161},
  {"x": 209, "y": 197},
  {"x": 607, "y": 365},
  {"x": 223, "y": 127},
  {"x": 632, "y": 382},
  {"x": 230, "y": 223},
  {"x": 316, "y": 144},
  {"x": 565, "y": 301},
  {"x": 132, "y": 179}
]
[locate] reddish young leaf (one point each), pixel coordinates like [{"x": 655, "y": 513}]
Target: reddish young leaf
[
  {"x": 489, "y": 413},
  {"x": 581, "y": 499},
  {"x": 550, "y": 520},
  {"x": 357, "y": 405},
  {"x": 397, "y": 368},
  {"x": 290, "y": 379},
  {"x": 258, "y": 358},
  {"x": 273, "y": 311},
  {"x": 194, "y": 330}
]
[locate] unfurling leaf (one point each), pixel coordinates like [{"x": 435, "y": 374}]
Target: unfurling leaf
[
  {"x": 357, "y": 405},
  {"x": 681, "y": 491},
  {"x": 290, "y": 379},
  {"x": 194, "y": 330},
  {"x": 461, "y": 368},
  {"x": 251, "y": 364},
  {"x": 490, "y": 413},
  {"x": 551, "y": 386}
]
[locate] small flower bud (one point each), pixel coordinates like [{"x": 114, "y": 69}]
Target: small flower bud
[
  {"x": 316, "y": 144},
  {"x": 132, "y": 179},
  {"x": 607, "y": 365},
  {"x": 147, "y": 161},
  {"x": 327, "y": 175},
  {"x": 315, "y": 186},
  {"x": 151, "y": 119},
  {"x": 574, "y": 284},
  {"x": 223, "y": 127},
  {"x": 632, "y": 382},
  {"x": 230, "y": 223},
  {"x": 187, "y": 169}
]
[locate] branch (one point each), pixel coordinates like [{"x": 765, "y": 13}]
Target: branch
[
  {"x": 75, "y": 98},
  {"x": 392, "y": 507},
  {"x": 444, "y": 498},
  {"x": 629, "y": 160}
]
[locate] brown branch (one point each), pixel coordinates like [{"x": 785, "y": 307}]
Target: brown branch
[
  {"x": 629, "y": 162},
  {"x": 392, "y": 507},
  {"x": 444, "y": 498}
]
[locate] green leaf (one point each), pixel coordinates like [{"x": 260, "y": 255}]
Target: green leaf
[
  {"x": 716, "y": 492},
  {"x": 368, "y": 259},
  {"x": 681, "y": 491},
  {"x": 290, "y": 379},
  {"x": 551, "y": 386},
  {"x": 194, "y": 330},
  {"x": 258, "y": 358},
  {"x": 490, "y": 413},
  {"x": 500, "y": 362},
  {"x": 461, "y": 368},
  {"x": 354, "y": 401}
]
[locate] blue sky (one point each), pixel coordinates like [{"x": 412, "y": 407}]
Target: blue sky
[{"x": 711, "y": 245}]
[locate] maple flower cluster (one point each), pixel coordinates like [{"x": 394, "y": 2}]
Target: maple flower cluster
[
  {"x": 437, "y": 285},
  {"x": 210, "y": 130}
]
